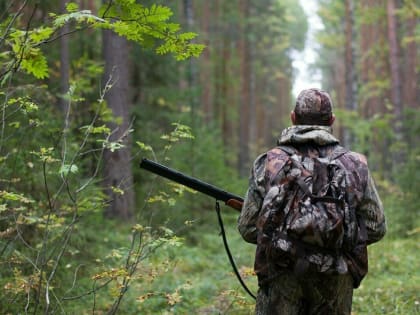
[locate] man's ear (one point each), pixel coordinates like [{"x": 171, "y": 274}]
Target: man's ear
[
  {"x": 293, "y": 117},
  {"x": 332, "y": 119}
]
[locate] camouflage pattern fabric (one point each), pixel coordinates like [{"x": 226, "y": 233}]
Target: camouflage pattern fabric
[
  {"x": 313, "y": 105},
  {"x": 312, "y": 295},
  {"x": 363, "y": 198},
  {"x": 294, "y": 226}
]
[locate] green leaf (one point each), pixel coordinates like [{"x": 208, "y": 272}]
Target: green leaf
[
  {"x": 41, "y": 33},
  {"x": 112, "y": 146},
  {"x": 79, "y": 16},
  {"x": 143, "y": 146},
  {"x": 96, "y": 130},
  {"x": 117, "y": 190},
  {"x": 35, "y": 64},
  {"x": 72, "y": 7},
  {"x": 65, "y": 169},
  {"x": 11, "y": 196}
]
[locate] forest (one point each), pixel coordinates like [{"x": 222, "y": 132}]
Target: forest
[{"x": 88, "y": 88}]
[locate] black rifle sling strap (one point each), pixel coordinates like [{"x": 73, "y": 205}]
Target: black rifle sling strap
[{"x": 232, "y": 262}]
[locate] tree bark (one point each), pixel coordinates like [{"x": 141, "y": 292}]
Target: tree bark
[
  {"x": 350, "y": 71},
  {"x": 394, "y": 61},
  {"x": 253, "y": 137},
  {"x": 64, "y": 63},
  {"x": 206, "y": 64},
  {"x": 244, "y": 108},
  {"x": 411, "y": 92},
  {"x": 118, "y": 177}
]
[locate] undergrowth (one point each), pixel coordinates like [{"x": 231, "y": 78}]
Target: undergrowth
[{"x": 195, "y": 277}]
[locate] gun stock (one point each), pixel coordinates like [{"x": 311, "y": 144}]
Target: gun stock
[{"x": 229, "y": 199}]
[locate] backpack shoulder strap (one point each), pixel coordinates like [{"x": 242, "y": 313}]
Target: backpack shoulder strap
[{"x": 288, "y": 149}]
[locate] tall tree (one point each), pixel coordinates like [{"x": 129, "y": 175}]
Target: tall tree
[
  {"x": 64, "y": 61},
  {"x": 394, "y": 62},
  {"x": 350, "y": 66},
  {"x": 335, "y": 55},
  {"x": 410, "y": 91},
  {"x": 384, "y": 58},
  {"x": 245, "y": 76},
  {"x": 189, "y": 78},
  {"x": 118, "y": 176},
  {"x": 205, "y": 65}
]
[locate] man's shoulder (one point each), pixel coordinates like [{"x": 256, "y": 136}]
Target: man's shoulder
[
  {"x": 280, "y": 152},
  {"x": 273, "y": 159},
  {"x": 276, "y": 153},
  {"x": 356, "y": 157}
]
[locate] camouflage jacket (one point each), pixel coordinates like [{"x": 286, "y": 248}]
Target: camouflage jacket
[{"x": 364, "y": 199}]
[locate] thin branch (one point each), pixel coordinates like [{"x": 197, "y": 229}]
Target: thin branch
[
  {"x": 45, "y": 238},
  {"x": 9, "y": 26},
  {"x": 48, "y": 41},
  {"x": 107, "y": 9},
  {"x": 93, "y": 291},
  {"x": 74, "y": 278},
  {"x": 60, "y": 255}
]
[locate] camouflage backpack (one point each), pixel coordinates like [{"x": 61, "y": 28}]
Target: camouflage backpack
[{"x": 306, "y": 222}]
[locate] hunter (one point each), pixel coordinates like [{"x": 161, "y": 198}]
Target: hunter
[{"x": 312, "y": 209}]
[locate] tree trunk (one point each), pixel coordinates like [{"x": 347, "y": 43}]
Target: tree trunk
[
  {"x": 253, "y": 138},
  {"x": 64, "y": 63},
  {"x": 206, "y": 64},
  {"x": 244, "y": 108},
  {"x": 350, "y": 71},
  {"x": 394, "y": 61},
  {"x": 118, "y": 177},
  {"x": 191, "y": 78},
  {"x": 411, "y": 92},
  {"x": 191, "y": 64}
]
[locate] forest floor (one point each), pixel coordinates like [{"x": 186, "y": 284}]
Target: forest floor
[{"x": 195, "y": 276}]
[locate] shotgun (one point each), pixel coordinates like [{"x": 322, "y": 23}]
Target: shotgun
[{"x": 229, "y": 199}]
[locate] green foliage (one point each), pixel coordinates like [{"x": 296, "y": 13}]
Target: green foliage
[
  {"x": 38, "y": 215},
  {"x": 392, "y": 283},
  {"x": 400, "y": 192},
  {"x": 373, "y": 14},
  {"x": 365, "y": 131},
  {"x": 50, "y": 211},
  {"x": 182, "y": 279},
  {"x": 147, "y": 26},
  {"x": 407, "y": 175},
  {"x": 296, "y": 24},
  {"x": 50, "y": 195}
]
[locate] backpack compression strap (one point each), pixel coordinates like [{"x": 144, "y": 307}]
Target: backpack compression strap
[{"x": 335, "y": 154}]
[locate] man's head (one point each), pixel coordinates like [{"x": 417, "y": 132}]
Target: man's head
[{"x": 313, "y": 107}]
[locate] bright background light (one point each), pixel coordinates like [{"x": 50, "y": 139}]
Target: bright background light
[{"x": 302, "y": 61}]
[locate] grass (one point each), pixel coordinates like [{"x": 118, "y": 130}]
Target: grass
[
  {"x": 197, "y": 278},
  {"x": 393, "y": 282}
]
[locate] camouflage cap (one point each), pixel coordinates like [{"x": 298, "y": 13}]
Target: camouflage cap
[{"x": 313, "y": 106}]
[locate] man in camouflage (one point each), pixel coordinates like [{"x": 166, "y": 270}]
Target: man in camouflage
[{"x": 281, "y": 291}]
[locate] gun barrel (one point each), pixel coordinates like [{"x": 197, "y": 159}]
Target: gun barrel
[{"x": 192, "y": 183}]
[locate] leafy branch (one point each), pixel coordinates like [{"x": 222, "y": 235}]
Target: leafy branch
[{"x": 146, "y": 26}]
